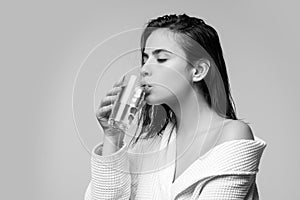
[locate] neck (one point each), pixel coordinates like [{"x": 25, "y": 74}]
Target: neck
[{"x": 193, "y": 115}]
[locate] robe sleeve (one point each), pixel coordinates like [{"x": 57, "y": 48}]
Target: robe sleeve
[
  {"x": 229, "y": 187},
  {"x": 110, "y": 175}
]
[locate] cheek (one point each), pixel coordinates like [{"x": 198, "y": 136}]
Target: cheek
[
  {"x": 168, "y": 88},
  {"x": 174, "y": 80}
]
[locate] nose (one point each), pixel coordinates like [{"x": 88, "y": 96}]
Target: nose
[{"x": 144, "y": 71}]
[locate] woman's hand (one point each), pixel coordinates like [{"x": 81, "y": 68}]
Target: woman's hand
[{"x": 106, "y": 106}]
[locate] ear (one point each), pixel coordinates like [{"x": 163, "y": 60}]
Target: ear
[{"x": 201, "y": 68}]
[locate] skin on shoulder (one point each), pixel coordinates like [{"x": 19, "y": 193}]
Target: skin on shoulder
[{"x": 236, "y": 130}]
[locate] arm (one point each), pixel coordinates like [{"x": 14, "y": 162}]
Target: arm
[
  {"x": 228, "y": 187},
  {"x": 110, "y": 176}
]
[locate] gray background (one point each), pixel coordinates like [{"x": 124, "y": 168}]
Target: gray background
[{"x": 42, "y": 45}]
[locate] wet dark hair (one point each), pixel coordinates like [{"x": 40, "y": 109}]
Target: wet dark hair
[{"x": 197, "y": 39}]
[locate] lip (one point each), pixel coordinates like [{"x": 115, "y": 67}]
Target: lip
[
  {"x": 144, "y": 84},
  {"x": 147, "y": 88}
]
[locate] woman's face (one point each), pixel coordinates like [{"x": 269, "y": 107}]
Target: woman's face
[{"x": 164, "y": 68}]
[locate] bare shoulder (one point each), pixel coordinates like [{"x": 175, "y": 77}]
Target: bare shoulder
[{"x": 236, "y": 130}]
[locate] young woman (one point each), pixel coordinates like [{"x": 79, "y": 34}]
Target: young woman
[{"x": 201, "y": 150}]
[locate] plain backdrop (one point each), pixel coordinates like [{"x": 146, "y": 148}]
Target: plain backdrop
[{"x": 44, "y": 43}]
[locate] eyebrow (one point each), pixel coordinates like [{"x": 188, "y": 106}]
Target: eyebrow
[{"x": 157, "y": 51}]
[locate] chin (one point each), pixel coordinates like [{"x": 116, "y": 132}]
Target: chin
[{"x": 152, "y": 99}]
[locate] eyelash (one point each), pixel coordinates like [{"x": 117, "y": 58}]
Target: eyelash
[{"x": 159, "y": 60}]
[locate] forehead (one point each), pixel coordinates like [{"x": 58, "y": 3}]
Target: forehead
[{"x": 163, "y": 39}]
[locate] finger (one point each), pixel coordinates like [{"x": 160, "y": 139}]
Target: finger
[
  {"x": 114, "y": 91},
  {"x": 103, "y": 112},
  {"x": 120, "y": 81},
  {"x": 108, "y": 100}
]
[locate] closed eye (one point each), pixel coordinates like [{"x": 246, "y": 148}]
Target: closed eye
[
  {"x": 158, "y": 60},
  {"x": 145, "y": 58},
  {"x": 161, "y": 60}
]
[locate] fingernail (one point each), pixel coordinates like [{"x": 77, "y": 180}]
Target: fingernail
[{"x": 121, "y": 79}]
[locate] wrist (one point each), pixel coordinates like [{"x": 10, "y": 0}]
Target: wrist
[
  {"x": 113, "y": 132},
  {"x": 114, "y": 136}
]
